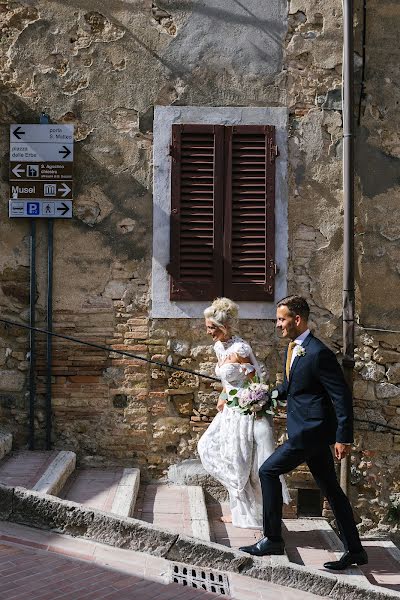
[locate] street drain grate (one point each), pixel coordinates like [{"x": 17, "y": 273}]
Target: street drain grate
[{"x": 202, "y": 579}]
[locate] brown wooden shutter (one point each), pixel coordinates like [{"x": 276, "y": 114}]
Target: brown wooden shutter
[
  {"x": 249, "y": 238},
  {"x": 196, "y": 212}
]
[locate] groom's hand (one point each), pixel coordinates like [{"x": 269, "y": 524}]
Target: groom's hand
[{"x": 342, "y": 450}]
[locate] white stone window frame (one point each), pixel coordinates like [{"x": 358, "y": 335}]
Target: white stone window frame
[{"x": 166, "y": 116}]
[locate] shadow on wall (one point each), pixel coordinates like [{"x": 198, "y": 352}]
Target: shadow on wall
[{"x": 128, "y": 197}]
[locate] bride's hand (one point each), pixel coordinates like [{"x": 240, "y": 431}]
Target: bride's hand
[
  {"x": 235, "y": 358},
  {"x": 230, "y": 359},
  {"x": 221, "y": 404}
]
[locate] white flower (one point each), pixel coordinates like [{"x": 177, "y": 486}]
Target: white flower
[{"x": 300, "y": 351}]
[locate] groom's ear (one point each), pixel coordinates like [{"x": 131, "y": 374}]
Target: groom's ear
[{"x": 298, "y": 320}]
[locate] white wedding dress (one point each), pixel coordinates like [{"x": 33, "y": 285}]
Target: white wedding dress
[{"x": 235, "y": 445}]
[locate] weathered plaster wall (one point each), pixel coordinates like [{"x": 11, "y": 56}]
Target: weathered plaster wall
[{"x": 104, "y": 66}]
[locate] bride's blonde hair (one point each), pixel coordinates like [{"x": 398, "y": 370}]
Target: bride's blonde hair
[{"x": 224, "y": 313}]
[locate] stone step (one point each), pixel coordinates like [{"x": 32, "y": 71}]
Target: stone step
[
  {"x": 111, "y": 490},
  {"x": 309, "y": 541},
  {"x": 168, "y": 506},
  {"x": 39, "y": 470},
  {"x": 5, "y": 443},
  {"x": 57, "y": 473},
  {"x": 179, "y": 508},
  {"x": 51, "y": 513}
]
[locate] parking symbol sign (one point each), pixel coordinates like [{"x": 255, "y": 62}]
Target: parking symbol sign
[{"x": 33, "y": 208}]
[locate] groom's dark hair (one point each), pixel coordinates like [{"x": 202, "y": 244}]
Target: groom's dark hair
[{"x": 297, "y": 305}]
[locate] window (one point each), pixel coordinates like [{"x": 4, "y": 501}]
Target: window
[
  {"x": 225, "y": 119},
  {"x": 222, "y": 212}
]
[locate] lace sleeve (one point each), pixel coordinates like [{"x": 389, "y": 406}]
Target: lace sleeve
[{"x": 242, "y": 349}]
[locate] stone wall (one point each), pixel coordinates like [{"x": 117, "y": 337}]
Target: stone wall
[{"x": 104, "y": 66}]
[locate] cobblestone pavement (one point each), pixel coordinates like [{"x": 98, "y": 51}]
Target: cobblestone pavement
[{"x": 41, "y": 565}]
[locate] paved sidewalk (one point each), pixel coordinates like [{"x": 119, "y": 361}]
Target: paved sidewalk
[{"x": 41, "y": 565}]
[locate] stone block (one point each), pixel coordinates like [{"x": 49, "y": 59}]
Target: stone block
[
  {"x": 11, "y": 381},
  {"x": 6, "y": 502},
  {"x": 373, "y": 440},
  {"x": 208, "y": 554},
  {"x": 126, "y": 493},
  {"x": 383, "y": 356},
  {"x": 57, "y": 473},
  {"x": 183, "y": 404},
  {"x": 192, "y": 472},
  {"x": 174, "y": 425},
  {"x": 48, "y": 512},
  {"x": 373, "y": 372},
  {"x": 259, "y": 569},
  {"x": 128, "y": 533},
  {"x": 5, "y": 443},
  {"x": 393, "y": 373},
  {"x": 346, "y": 590},
  {"x": 364, "y": 390},
  {"x": 198, "y": 513},
  {"x": 333, "y": 100},
  {"x": 387, "y": 390},
  {"x": 297, "y": 576}
]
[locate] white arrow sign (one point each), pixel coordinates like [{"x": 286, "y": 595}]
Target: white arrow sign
[
  {"x": 64, "y": 189},
  {"x": 40, "y": 152},
  {"x": 42, "y": 133},
  {"x": 17, "y": 170}
]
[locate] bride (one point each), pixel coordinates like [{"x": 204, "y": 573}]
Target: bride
[{"x": 236, "y": 445}]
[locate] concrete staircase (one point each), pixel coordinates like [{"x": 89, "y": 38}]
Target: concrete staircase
[{"x": 182, "y": 506}]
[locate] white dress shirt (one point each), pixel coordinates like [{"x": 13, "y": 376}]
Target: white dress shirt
[{"x": 299, "y": 341}]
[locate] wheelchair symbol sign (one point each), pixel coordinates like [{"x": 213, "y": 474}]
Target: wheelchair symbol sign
[{"x": 33, "y": 209}]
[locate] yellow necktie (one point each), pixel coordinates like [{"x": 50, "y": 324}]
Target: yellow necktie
[{"x": 289, "y": 357}]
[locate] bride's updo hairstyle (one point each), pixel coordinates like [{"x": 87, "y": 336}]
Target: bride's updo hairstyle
[{"x": 224, "y": 313}]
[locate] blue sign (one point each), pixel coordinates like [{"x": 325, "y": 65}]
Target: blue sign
[
  {"x": 33, "y": 209},
  {"x": 54, "y": 209}
]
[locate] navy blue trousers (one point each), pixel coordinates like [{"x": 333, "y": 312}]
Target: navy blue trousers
[{"x": 320, "y": 462}]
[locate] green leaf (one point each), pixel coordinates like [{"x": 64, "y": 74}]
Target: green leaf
[
  {"x": 270, "y": 412},
  {"x": 233, "y": 392},
  {"x": 274, "y": 394},
  {"x": 281, "y": 403}
]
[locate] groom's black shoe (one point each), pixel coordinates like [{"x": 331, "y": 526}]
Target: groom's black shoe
[
  {"x": 264, "y": 547},
  {"x": 347, "y": 560}
]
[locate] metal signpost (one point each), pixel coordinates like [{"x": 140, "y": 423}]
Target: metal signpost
[
  {"x": 41, "y": 187},
  {"x": 41, "y": 171}
]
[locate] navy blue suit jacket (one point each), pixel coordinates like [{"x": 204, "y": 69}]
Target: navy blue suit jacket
[{"x": 319, "y": 403}]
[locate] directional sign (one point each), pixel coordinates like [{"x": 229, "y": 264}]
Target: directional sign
[
  {"x": 40, "y": 152},
  {"x": 57, "y": 209},
  {"x": 41, "y": 171},
  {"x": 62, "y": 134},
  {"x": 41, "y": 189}
]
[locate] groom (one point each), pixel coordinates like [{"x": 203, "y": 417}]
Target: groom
[{"x": 319, "y": 414}]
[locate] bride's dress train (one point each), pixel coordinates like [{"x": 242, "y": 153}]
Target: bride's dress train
[{"x": 235, "y": 445}]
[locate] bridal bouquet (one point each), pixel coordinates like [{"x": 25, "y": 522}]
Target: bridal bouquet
[{"x": 255, "y": 398}]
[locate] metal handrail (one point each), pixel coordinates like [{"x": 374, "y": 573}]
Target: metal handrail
[
  {"x": 173, "y": 367},
  {"x": 108, "y": 349}
]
